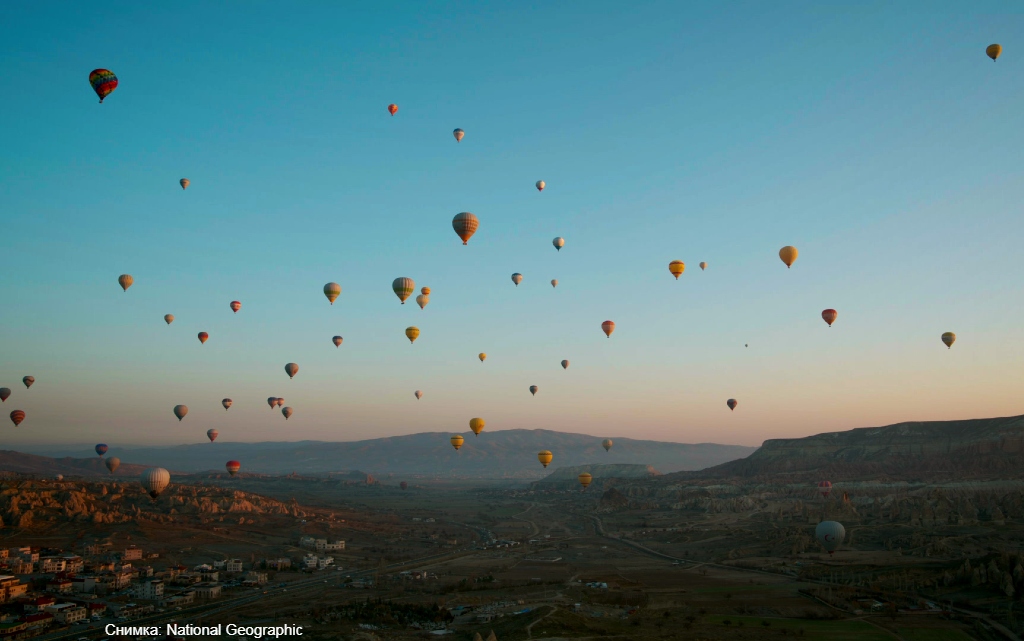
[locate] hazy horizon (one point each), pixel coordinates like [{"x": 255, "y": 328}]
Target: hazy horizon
[{"x": 879, "y": 140}]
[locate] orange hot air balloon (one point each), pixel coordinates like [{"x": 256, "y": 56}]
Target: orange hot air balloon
[
  {"x": 544, "y": 457},
  {"x": 465, "y": 225},
  {"x": 482, "y": 357},
  {"x": 279, "y": 401},
  {"x": 457, "y": 441},
  {"x": 992, "y": 51},
  {"x": 232, "y": 467},
  {"x": 17, "y": 416},
  {"x": 677, "y": 267},
  {"x": 829, "y": 316},
  {"x": 125, "y": 281},
  {"x": 585, "y": 479},
  {"x": 412, "y": 333},
  {"x": 168, "y": 318},
  {"x": 477, "y": 425},
  {"x": 203, "y": 336},
  {"x": 235, "y": 306},
  {"x": 392, "y": 109},
  {"x": 608, "y": 327},
  {"x": 337, "y": 340},
  {"x": 732, "y": 403},
  {"x": 180, "y": 411},
  {"x": 788, "y": 255},
  {"x": 425, "y": 291},
  {"x": 184, "y": 182}
]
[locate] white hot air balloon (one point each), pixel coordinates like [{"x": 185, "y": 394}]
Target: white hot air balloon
[
  {"x": 830, "y": 534},
  {"x": 155, "y": 480},
  {"x": 559, "y": 243}
]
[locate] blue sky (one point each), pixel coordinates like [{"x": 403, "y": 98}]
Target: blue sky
[{"x": 878, "y": 139}]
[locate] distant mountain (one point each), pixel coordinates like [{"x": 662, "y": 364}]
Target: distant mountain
[
  {"x": 499, "y": 454},
  {"x": 977, "y": 448},
  {"x": 22, "y": 463}
]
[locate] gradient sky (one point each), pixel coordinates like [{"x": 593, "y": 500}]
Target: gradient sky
[{"x": 876, "y": 138}]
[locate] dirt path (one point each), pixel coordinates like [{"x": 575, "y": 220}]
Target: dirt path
[{"x": 529, "y": 628}]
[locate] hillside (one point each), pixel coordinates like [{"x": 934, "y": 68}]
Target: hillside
[
  {"x": 977, "y": 448},
  {"x": 500, "y": 454},
  {"x": 22, "y": 463},
  {"x": 568, "y": 477}
]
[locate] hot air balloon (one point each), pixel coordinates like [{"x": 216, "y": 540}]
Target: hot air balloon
[
  {"x": 533, "y": 390},
  {"x": 606, "y": 444},
  {"x": 608, "y": 327},
  {"x": 169, "y": 318},
  {"x": 829, "y": 316},
  {"x": 554, "y": 282},
  {"x": 477, "y": 425},
  {"x": 184, "y": 182},
  {"x": 28, "y": 380},
  {"x": 949, "y": 338},
  {"x": 788, "y": 255},
  {"x": 517, "y": 278},
  {"x": 412, "y": 333},
  {"x": 226, "y": 402},
  {"x": 5, "y": 393},
  {"x": 103, "y": 82},
  {"x": 279, "y": 401},
  {"x": 422, "y": 300},
  {"x": 332, "y": 291},
  {"x": 113, "y": 463},
  {"x": 465, "y": 225},
  {"x": 155, "y": 480},
  {"x": 403, "y": 288},
  {"x": 403, "y": 485},
  {"x": 272, "y": 401},
  {"x": 825, "y": 488},
  {"x": 544, "y": 457},
  {"x": 541, "y": 185},
  {"x": 418, "y": 394},
  {"x": 392, "y": 109},
  {"x": 232, "y": 467},
  {"x": 703, "y": 266},
  {"x": 830, "y": 534},
  {"x": 101, "y": 448},
  {"x": 565, "y": 364},
  {"x": 457, "y": 441},
  {"x": 585, "y": 479},
  {"x": 732, "y": 403},
  {"x": 482, "y": 356},
  {"x": 425, "y": 291},
  {"x": 559, "y": 243},
  {"x": 180, "y": 411},
  {"x": 287, "y": 413},
  {"x": 203, "y": 337},
  {"x": 212, "y": 435},
  {"x": 992, "y": 51},
  {"x": 337, "y": 341},
  {"x": 235, "y": 306},
  {"x": 291, "y": 369},
  {"x": 458, "y": 133},
  {"x": 677, "y": 267},
  {"x": 59, "y": 477},
  {"x": 125, "y": 281}
]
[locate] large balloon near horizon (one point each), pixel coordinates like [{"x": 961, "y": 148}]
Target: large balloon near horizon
[
  {"x": 608, "y": 327},
  {"x": 829, "y": 316},
  {"x": 291, "y": 369},
  {"x": 403, "y": 288},
  {"x": 180, "y": 411},
  {"x": 465, "y": 225},
  {"x": 544, "y": 457},
  {"x": 332, "y": 291},
  {"x": 125, "y": 281},
  {"x": 830, "y": 534},
  {"x": 585, "y": 479},
  {"x": 477, "y": 425},
  {"x": 232, "y": 467},
  {"x": 788, "y": 255},
  {"x": 155, "y": 480},
  {"x": 948, "y": 338},
  {"x": 103, "y": 82}
]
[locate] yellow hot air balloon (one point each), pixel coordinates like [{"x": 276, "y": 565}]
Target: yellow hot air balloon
[
  {"x": 125, "y": 281},
  {"x": 606, "y": 444},
  {"x": 585, "y": 478},
  {"x": 422, "y": 300},
  {"x": 788, "y": 255},
  {"x": 457, "y": 441},
  {"x": 544, "y": 457},
  {"x": 477, "y": 425},
  {"x": 993, "y": 51},
  {"x": 949, "y": 338},
  {"x": 482, "y": 357},
  {"x": 332, "y": 291},
  {"x": 412, "y": 333},
  {"x": 677, "y": 267},
  {"x": 703, "y": 266}
]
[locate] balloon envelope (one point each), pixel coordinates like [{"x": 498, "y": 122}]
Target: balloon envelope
[
  {"x": 425, "y": 291},
  {"x": 544, "y": 457},
  {"x": 392, "y": 109},
  {"x": 533, "y": 390},
  {"x": 459, "y": 134},
  {"x": 677, "y": 267},
  {"x": 829, "y": 316},
  {"x": 541, "y": 185},
  {"x": 337, "y": 340},
  {"x": 232, "y": 467},
  {"x": 332, "y": 291},
  {"x": 830, "y": 534},
  {"x": 125, "y": 281},
  {"x": 554, "y": 282},
  {"x": 235, "y": 306},
  {"x": 608, "y": 327},
  {"x": 291, "y": 369},
  {"x": 17, "y": 416},
  {"x": 732, "y": 403},
  {"x": 992, "y": 51},
  {"x": 703, "y": 266},
  {"x": 212, "y": 435},
  {"x": 180, "y": 411},
  {"x": 825, "y": 488},
  {"x": 559, "y": 243},
  {"x": 477, "y": 425},
  {"x": 403, "y": 288},
  {"x": 418, "y": 394},
  {"x": 155, "y": 480},
  {"x": 457, "y": 441},
  {"x": 465, "y": 225},
  {"x": 5, "y": 393},
  {"x": 585, "y": 479},
  {"x": 517, "y": 278},
  {"x": 203, "y": 337},
  {"x": 101, "y": 448},
  {"x": 103, "y": 82},
  {"x": 606, "y": 444},
  {"x": 287, "y": 413},
  {"x": 227, "y": 402},
  {"x": 403, "y": 485},
  {"x": 184, "y": 182},
  {"x": 279, "y": 401},
  {"x": 28, "y": 380},
  {"x": 412, "y": 333},
  {"x": 482, "y": 357},
  {"x": 788, "y": 255},
  {"x": 565, "y": 364},
  {"x": 113, "y": 463},
  {"x": 169, "y": 318},
  {"x": 948, "y": 338},
  {"x": 272, "y": 401},
  {"x": 422, "y": 300}
]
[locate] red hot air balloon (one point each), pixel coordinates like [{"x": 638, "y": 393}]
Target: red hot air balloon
[
  {"x": 272, "y": 402},
  {"x": 203, "y": 336},
  {"x": 212, "y": 435},
  {"x": 608, "y": 327},
  {"x": 235, "y": 306},
  {"x": 392, "y": 109},
  {"x": 5, "y": 393},
  {"x": 825, "y": 488},
  {"x": 17, "y": 416},
  {"x": 103, "y": 82},
  {"x": 732, "y": 403},
  {"x": 232, "y": 467},
  {"x": 829, "y": 315}
]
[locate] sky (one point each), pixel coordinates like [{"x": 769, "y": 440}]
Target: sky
[{"x": 876, "y": 137}]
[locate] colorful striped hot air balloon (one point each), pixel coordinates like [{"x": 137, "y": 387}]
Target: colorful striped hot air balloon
[
  {"x": 608, "y": 327},
  {"x": 457, "y": 441},
  {"x": 28, "y": 380},
  {"x": 101, "y": 448},
  {"x": 17, "y": 416},
  {"x": 332, "y": 291},
  {"x": 235, "y": 306},
  {"x": 412, "y": 333},
  {"x": 425, "y": 291},
  {"x": 585, "y": 479},
  {"x": 392, "y": 109},
  {"x": 227, "y": 402},
  {"x": 465, "y": 225},
  {"x": 212, "y": 434},
  {"x": 103, "y": 82},
  {"x": 403, "y": 288},
  {"x": 232, "y": 467},
  {"x": 677, "y": 267},
  {"x": 125, "y": 281},
  {"x": 825, "y": 488},
  {"x": 459, "y": 134}
]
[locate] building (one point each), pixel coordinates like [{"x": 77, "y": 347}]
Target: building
[
  {"x": 60, "y": 586},
  {"x": 38, "y": 620},
  {"x": 132, "y": 553},
  {"x": 323, "y": 546},
  {"x": 130, "y": 611},
  {"x": 97, "y": 609},
  {"x": 67, "y": 613},
  {"x": 253, "y": 577},
  {"x": 52, "y": 564},
  {"x": 307, "y": 543},
  {"x": 73, "y": 563},
  {"x": 210, "y": 576},
  {"x": 278, "y": 564},
  {"x": 120, "y": 579},
  {"x": 234, "y": 565},
  {"x": 37, "y": 604},
  {"x": 93, "y": 549},
  {"x": 20, "y": 566},
  {"x": 25, "y": 554},
  {"x": 179, "y": 600},
  {"x": 207, "y": 590},
  {"x": 11, "y": 588},
  {"x": 149, "y": 590}
]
